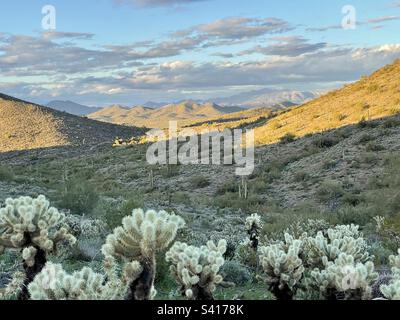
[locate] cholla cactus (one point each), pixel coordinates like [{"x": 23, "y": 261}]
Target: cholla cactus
[
  {"x": 392, "y": 290},
  {"x": 196, "y": 269},
  {"x": 341, "y": 239},
  {"x": 283, "y": 267},
  {"x": 53, "y": 283},
  {"x": 253, "y": 226},
  {"x": 142, "y": 235},
  {"x": 14, "y": 287},
  {"x": 34, "y": 227},
  {"x": 344, "y": 278}
]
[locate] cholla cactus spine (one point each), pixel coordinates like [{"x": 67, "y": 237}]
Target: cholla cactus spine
[
  {"x": 196, "y": 269},
  {"x": 142, "y": 235},
  {"x": 34, "y": 227}
]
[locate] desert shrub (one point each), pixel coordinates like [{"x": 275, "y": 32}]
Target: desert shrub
[
  {"x": 391, "y": 123},
  {"x": 360, "y": 215},
  {"x": 231, "y": 186},
  {"x": 329, "y": 164},
  {"x": 170, "y": 171},
  {"x": 6, "y": 174},
  {"x": 300, "y": 176},
  {"x": 233, "y": 271},
  {"x": 330, "y": 190},
  {"x": 199, "y": 182},
  {"x": 324, "y": 141},
  {"x": 369, "y": 158},
  {"x": 231, "y": 200},
  {"x": 258, "y": 186},
  {"x": 288, "y": 138},
  {"x": 79, "y": 196},
  {"x": 365, "y": 138},
  {"x": 273, "y": 170},
  {"x": 245, "y": 254},
  {"x": 374, "y": 147}
]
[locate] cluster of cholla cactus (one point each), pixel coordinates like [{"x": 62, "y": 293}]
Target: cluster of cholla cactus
[
  {"x": 54, "y": 283},
  {"x": 392, "y": 290},
  {"x": 334, "y": 262},
  {"x": 35, "y": 228},
  {"x": 253, "y": 227},
  {"x": 344, "y": 279},
  {"x": 342, "y": 239},
  {"x": 283, "y": 267},
  {"x": 196, "y": 269},
  {"x": 141, "y": 236}
]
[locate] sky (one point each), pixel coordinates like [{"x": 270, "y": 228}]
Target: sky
[{"x": 100, "y": 52}]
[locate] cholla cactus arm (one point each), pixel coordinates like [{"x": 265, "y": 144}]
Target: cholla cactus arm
[
  {"x": 141, "y": 236},
  {"x": 283, "y": 267},
  {"x": 253, "y": 226},
  {"x": 392, "y": 290},
  {"x": 197, "y": 269},
  {"x": 53, "y": 283},
  {"x": 344, "y": 278},
  {"x": 34, "y": 227}
]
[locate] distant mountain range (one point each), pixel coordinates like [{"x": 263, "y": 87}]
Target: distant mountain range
[
  {"x": 185, "y": 113},
  {"x": 271, "y": 98},
  {"x": 71, "y": 107}
]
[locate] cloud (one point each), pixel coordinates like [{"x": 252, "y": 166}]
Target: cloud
[
  {"x": 287, "y": 46},
  {"x": 156, "y": 3},
  {"x": 370, "y": 22},
  {"x": 45, "y": 54},
  {"x": 320, "y": 67},
  {"x": 238, "y": 28}
]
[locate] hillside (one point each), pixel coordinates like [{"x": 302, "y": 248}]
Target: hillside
[
  {"x": 25, "y": 125},
  {"x": 372, "y": 97},
  {"x": 71, "y": 107},
  {"x": 185, "y": 113}
]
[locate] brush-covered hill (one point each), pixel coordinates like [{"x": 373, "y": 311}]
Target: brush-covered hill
[
  {"x": 25, "y": 125},
  {"x": 372, "y": 97},
  {"x": 185, "y": 113}
]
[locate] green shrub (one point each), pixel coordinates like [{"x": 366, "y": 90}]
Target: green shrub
[
  {"x": 235, "y": 272},
  {"x": 374, "y": 147},
  {"x": 366, "y": 137},
  {"x": 199, "y": 182},
  {"x": 79, "y": 196},
  {"x": 330, "y": 190},
  {"x": 228, "y": 187},
  {"x": 288, "y": 138},
  {"x": 301, "y": 176},
  {"x": 6, "y": 174},
  {"x": 324, "y": 141},
  {"x": 329, "y": 164}
]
